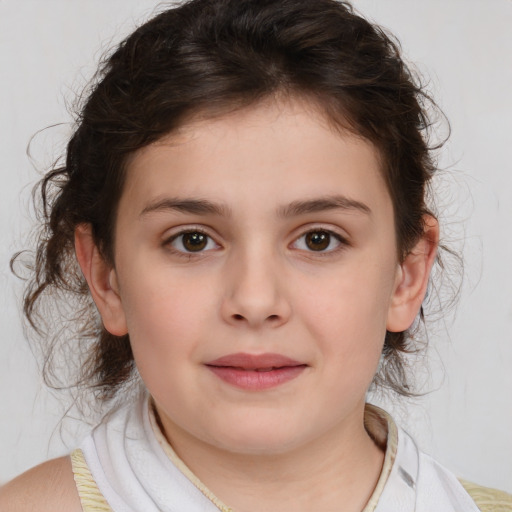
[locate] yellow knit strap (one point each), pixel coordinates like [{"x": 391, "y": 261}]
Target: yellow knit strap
[
  {"x": 487, "y": 499},
  {"x": 91, "y": 498}
]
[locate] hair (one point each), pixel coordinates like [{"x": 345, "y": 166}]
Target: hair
[{"x": 209, "y": 57}]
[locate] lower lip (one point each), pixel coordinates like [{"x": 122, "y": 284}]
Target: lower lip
[{"x": 254, "y": 380}]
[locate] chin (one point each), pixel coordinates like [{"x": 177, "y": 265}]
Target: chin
[{"x": 260, "y": 438}]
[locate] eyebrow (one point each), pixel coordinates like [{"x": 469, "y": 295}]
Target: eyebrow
[
  {"x": 188, "y": 205},
  {"x": 337, "y": 202},
  {"x": 295, "y": 208}
]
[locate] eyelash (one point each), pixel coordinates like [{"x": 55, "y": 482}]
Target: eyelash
[
  {"x": 184, "y": 253},
  {"x": 342, "y": 242}
]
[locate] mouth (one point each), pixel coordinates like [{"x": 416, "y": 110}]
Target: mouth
[{"x": 256, "y": 372}]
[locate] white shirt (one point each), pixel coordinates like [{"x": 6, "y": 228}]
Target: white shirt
[{"x": 136, "y": 470}]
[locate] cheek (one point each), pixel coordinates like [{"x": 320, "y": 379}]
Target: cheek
[
  {"x": 164, "y": 320},
  {"x": 349, "y": 316}
]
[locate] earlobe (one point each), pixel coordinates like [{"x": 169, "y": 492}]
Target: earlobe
[
  {"x": 412, "y": 278},
  {"x": 102, "y": 281}
]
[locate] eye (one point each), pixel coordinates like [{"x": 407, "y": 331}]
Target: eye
[
  {"x": 192, "y": 241},
  {"x": 319, "y": 240}
]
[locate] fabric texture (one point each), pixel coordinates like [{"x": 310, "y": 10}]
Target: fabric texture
[
  {"x": 90, "y": 497},
  {"x": 487, "y": 499},
  {"x": 127, "y": 465}
]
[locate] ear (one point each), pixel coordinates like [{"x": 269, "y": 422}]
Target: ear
[
  {"x": 102, "y": 280},
  {"x": 412, "y": 278}
]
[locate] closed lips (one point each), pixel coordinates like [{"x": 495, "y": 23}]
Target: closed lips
[
  {"x": 256, "y": 372},
  {"x": 255, "y": 362}
]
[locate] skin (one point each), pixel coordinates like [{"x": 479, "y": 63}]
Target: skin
[
  {"x": 258, "y": 287},
  {"x": 49, "y": 487}
]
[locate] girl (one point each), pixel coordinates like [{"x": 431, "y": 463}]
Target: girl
[{"x": 244, "y": 201}]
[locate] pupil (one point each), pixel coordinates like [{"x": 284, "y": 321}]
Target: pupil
[
  {"x": 318, "y": 240},
  {"x": 194, "y": 241}
]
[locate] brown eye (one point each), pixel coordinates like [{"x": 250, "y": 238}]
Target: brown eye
[
  {"x": 319, "y": 240},
  {"x": 193, "y": 241}
]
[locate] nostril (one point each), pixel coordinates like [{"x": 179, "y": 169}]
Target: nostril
[{"x": 237, "y": 316}]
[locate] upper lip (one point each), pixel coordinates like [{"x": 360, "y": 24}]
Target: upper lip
[{"x": 254, "y": 361}]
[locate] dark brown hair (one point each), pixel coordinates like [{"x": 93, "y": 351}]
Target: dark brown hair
[{"x": 208, "y": 57}]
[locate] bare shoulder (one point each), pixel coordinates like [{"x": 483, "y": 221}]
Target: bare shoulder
[{"x": 47, "y": 487}]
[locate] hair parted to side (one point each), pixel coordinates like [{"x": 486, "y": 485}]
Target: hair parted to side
[{"x": 208, "y": 57}]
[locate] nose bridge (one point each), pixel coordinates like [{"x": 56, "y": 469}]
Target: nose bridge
[{"x": 255, "y": 291}]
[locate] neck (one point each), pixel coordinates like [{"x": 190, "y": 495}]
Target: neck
[{"x": 342, "y": 466}]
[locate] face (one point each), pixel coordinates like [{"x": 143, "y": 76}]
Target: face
[{"x": 256, "y": 266}]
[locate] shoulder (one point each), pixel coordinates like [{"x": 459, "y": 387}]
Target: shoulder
[
  {"x": 487, "y": 499},
  {"x": 47, "y": 487}
]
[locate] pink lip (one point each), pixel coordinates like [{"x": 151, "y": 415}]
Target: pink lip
[{"x": 256, "y": 372}]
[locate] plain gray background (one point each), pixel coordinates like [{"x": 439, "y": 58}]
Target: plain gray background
[{"x": 48, "y": 50}]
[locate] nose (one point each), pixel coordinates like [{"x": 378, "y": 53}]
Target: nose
[{"x": 255, "y": 291}]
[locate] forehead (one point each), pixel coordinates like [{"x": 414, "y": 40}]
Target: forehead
[{"x": 274, "y": 152}]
